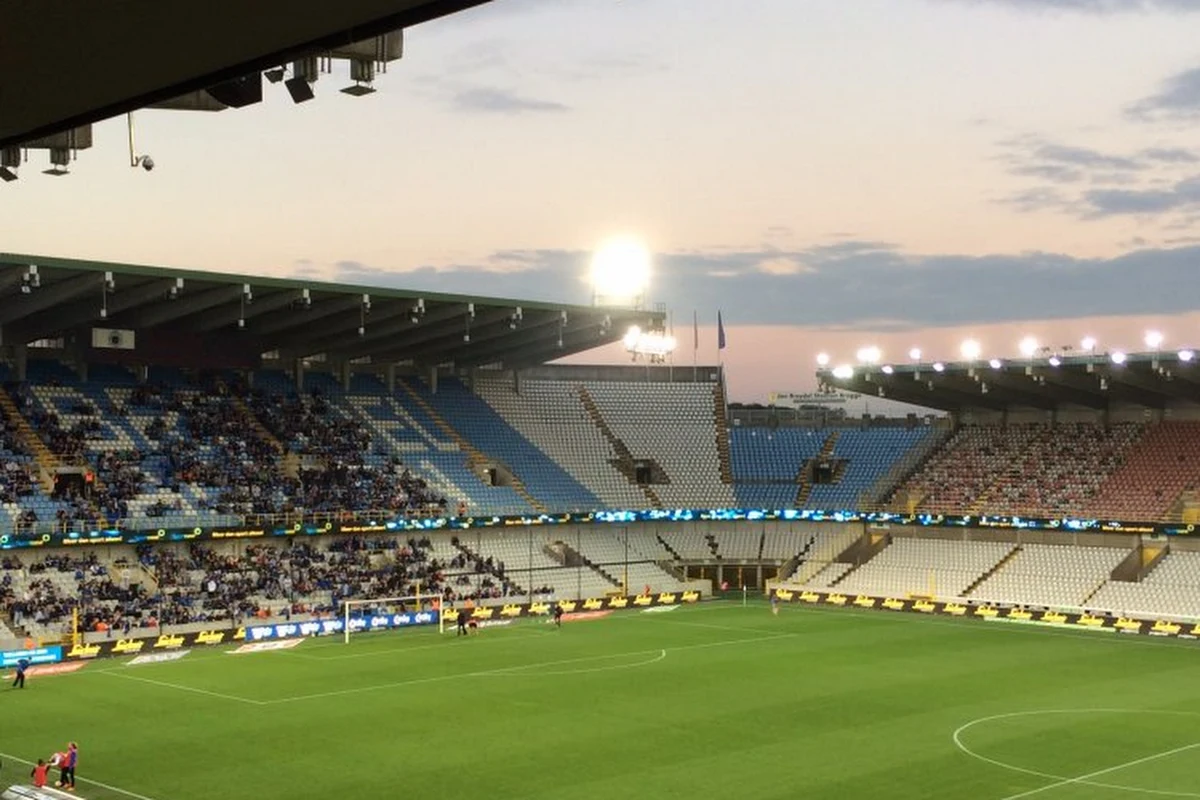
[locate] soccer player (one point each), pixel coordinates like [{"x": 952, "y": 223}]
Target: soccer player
[
  {"x": 774, "y": 603},
  {"x": 462, "y": 622},
  {"x": 66, "y": 776},
  {"x": 558, "y": 612},
  {"x": 39, "y": 774},
  {"x": 22, "y": 665}
]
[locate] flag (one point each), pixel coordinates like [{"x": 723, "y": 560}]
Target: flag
[
  {"x": 720, "y": 332},
  {"x": 695, "y": 331}
]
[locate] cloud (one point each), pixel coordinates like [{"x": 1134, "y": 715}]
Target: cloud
[
  {"x": 1185, "y": 194},
  {"x": 1170, "y": 155},
  {"x": 1093, "y": 6},
  {"x": 1032, "y": 156},
  {"x": 493, "y": 100},
  {"x": 1177, "y": 100},
  {"x": 848, "y": 285},
  {"x": 782, "y": 265}
]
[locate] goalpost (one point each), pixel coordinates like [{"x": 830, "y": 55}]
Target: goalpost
[{"x": 389, "y": 607}]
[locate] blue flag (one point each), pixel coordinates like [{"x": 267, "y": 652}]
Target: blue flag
[{"x": 720, "y": 332}]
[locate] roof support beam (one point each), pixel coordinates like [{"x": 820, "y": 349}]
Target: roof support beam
[
  {"x": 83, "y": 312},
  {"x": 185, "y": 305},
  {"x": 450, "y": 333},
  {"x": 49, "y": 296},
  {"x": 259, "y": 306},
  {"x": 306, "y": 315},
  {"x": 432, "y": 325},
  {"x": 533, "y": 335}
]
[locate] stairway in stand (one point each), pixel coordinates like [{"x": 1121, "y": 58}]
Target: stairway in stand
[
  {"x": 624, "y": 463},
  {"x": 804, "y": 491},
  {"x": 721, "y": 418},
  {"x": 48, "y": 463},
  {"x": 475, "y": 459}
]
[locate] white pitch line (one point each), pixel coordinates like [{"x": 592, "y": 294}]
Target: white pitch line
[
  {"x": 88, "y": 781},
  {"x": 181, "y": 687},
  {"x": 500, "y": 671},
  {"x": 957, "y": 738},
  {"x": 1083, "y": 779}
]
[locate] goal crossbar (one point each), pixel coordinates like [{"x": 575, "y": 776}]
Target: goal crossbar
[{"x": 412, "y": 601}]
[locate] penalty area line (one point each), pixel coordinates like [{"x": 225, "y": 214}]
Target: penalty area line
[
  {"x": 88, "y": 781},
  {"x": 180, "y": 687}
]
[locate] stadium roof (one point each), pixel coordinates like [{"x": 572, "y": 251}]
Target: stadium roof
[
  {"x": 65, "y": 64},
  {"x": 240, "y": 317},
  {"x": 1097, "y": 381}
]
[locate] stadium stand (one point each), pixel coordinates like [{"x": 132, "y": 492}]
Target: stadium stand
[
  {"x": 672, "y": 424},
  {"x": 1051, "y": 575},
  {"x": 1171, "y": 589},
  {"x": 937, "y": 567},
  {"x": 551, "y": 416},
  {"x": 1157, "y": 471}
]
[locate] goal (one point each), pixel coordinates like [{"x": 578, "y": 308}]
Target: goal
[{"x": 389, "y": 613}]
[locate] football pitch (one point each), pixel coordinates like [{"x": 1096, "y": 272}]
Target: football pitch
[{"x": 713, "y": 700}]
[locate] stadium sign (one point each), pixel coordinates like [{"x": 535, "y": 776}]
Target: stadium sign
[
  {"x": 35, "y": 655},
  {"x": 1085, "y": 621},
  {"x": 13, "y": 541}
]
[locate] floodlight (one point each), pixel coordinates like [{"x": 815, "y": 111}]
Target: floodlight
[
  {"x": 7, "y": 174},
  {"x": 10, "y": 159},
  {"x": 1055, "y": 361},
  {"x": 939, "y": 366},
  {"x": 1028, "y": 346},
  {"x": 299, "y": 88},
  {"x": 1153, "y": 339},
  {"x": 632, "y": 336},
  {"x": 869, "y": 355},
  {"x": 888, "y": 369},
  {"x": 274, "y": 75},
  {"x": 620, "y": 271},
  {"x": 995, "y": 363},
  {"x": 843, "y": 372},
  {"x": 915, "y": 354},
  {"x": 1186, "y": 355},
  {"x": 970, "y": 349},
  {"x": 1117, "y": 357},
  {"x": 1088, "y": 344},
  {"x": 822, "y": 359}
]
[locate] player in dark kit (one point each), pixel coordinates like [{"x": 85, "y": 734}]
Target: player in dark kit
[
  {"x": 462, "y": 622},
  {"x": 66, "y": 776},
  {"x": 558, "y": 612},
  {"x": 22, "y": 665}
]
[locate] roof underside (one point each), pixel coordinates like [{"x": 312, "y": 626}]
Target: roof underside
[
  {"x": 215, "y": 320},
  {"x": 1095, "y": 381},
  {"x": 64, "y": 64}
]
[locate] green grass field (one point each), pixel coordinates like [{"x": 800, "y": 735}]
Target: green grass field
[{"x": 715, "y": 700}]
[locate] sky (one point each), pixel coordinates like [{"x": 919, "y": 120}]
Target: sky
[{"x": 827, "y": 174}]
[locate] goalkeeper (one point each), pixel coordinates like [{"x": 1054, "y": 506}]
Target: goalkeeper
[{"x": 462, "y": 622}]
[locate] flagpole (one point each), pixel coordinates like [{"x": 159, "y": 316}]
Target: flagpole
[{"x": 695, "y": 345}]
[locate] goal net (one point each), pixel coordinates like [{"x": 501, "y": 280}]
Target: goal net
[{"x": 390, "y": 613}]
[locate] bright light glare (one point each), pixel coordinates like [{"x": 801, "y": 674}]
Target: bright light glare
[
  {"x": 621, "y": 271},
  {"x": 654, "y": 344},
  {"x": 1186, "y": 355},
  {"x": 869, "y": 355},
  {"x": 939, "y": 367},
  {"x": 822, "y": 359},
  {"x": 1088, "y": 344},
  {"x": 1118, "y": 357},
  {"x": 915, "y": 354},
  {"x": 1153, "y": 339},
  {"x": 996, "y": 363},
  {"x": 1055, "y": 361},
  {"x": 888, "y": 369},
  {"x": 1029, "y": 346},
  {"x": 970, "y": 349},
  {"x": 843, "y": 372}
]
